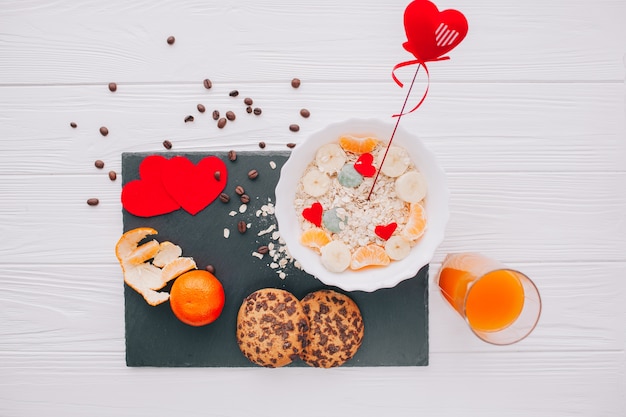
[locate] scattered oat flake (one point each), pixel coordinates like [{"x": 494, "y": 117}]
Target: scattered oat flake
[
  {"x": 243, "y": 208},
  {"x": 232, "y": 213},
  {"x": 268, "y": 230},
  {"x": 272, "y": 164},
  {"x": 226, "y": 233},
  {"x": 257, "y": 255}
]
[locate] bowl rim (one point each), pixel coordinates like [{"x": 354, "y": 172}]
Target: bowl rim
[{"x": 371, "y": 279}]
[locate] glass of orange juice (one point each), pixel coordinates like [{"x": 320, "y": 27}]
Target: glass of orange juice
[{"x": 500, "y": 305}]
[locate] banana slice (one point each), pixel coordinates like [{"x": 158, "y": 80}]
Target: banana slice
[
  {"x": 330, "y": 158},
  {"x": 336, "y": 256},
  {"x": 315, "y": 183},
  {"x": 397, "y": 248},
  {"x": 396, "y": 161},
  {"x": 411, "y": 187}
]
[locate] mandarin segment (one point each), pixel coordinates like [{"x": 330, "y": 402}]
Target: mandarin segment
[
  {"x": 370, "y": 255},
  {"x": 315, "y": 238},
  {"x": 416, "y": 224},
  {"x": 358, "y": 145}
]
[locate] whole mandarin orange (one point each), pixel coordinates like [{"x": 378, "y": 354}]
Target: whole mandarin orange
[{"x": 197, "y": 298}]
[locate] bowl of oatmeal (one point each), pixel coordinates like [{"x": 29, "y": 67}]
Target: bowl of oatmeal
[{"x": 354, "y": 222}]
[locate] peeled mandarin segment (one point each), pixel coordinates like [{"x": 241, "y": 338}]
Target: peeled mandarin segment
[
  {"x": 416, "y": 225},
  {"x": 358, "y": 145},
  {"x": 142, "y": 253},
  {"x": 176, "y": 268},
  {"x": 167, "y": 253},
  {"x": 315, "y": 238},
  {"x": 129, "y": 241},
  {"x": 370, "y": 255}
]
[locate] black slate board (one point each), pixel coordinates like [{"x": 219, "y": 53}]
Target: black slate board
[{"x": 396, "y": 319}]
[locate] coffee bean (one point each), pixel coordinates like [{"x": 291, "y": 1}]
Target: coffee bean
[
  {"x": 224, "y": 198},
  {"x": 112, "y": 87},
  {"x": 112, "y": 175},
  {"x": 104, "y": 131},
  {"x": 171, "y": 40},
  {"x": 74, "y": 125},
  {"x": 248, "y": 101},
  {"x": 99, "y": 164},
  {"x": 242, "y": 226},
  {"x": 93, "y": 201},
  {"x": 263, "y": 250},
  {"x": 207, "y": 83},
  {"x": 262, "y": 145},
  {"x": 210, "y": 269},
  {"x": 232, "y": 155},
  {"x": 217, "y": 175},
  {"x": 291, "y": 145},
  {"x": 167, "y": 144},
  {"x": 221, "y": 123},
  {"x": 234, "y": 93},
  {"x": 257, "y": 111},
  {"x": 245, "y": 198},
  {"x": 294, "y": 127},
  {"x": 295, "y": 83},
  {"x": 189, "y": 119},
  {"x": 305, "y": 113},
  {"x": 253, "y": 173},
  {"x": 249, "y": 109},
  {"x": 216, "y": 114},
  {"x": 201, "y": 108},
  {"x": 239, "y": 190},
  {"x": 230, "y": 115}
]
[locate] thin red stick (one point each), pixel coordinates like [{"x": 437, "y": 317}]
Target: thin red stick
[{"x": 406, "y": 99}]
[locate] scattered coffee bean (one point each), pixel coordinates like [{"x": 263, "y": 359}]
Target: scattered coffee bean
[
  {"x": 232, "y": 155},
  {"x": 189, "y": 119},
  {"x": 257, "y": 111},
  {"x": 262, "y": 145},
  {"x": 216, "y": 114},
  {"x": 249, "y": 109},
  {"x": 217, "y": 175},
  {"x": 104, "y": 131},
  {"x": 224, "y": 198},
  {"x": 239, "y": 190},
  {"x": 207, "y": 83},
  {"x": 263, "y": 250},
  {"x": 253, "y": 173},
  {"x": 295, "y": 83},
  {"x": 171, "y": 40},
  {"x": 99, "y": 164},
  {"x": 291, "y": 145},
  {"x": 210, "y": 269},
  {"x": 112, "y": 87},
  {"x": 230, "y": 115},
  {"x": 248, "y": 101},
  {"x": 245, "y": 198},
  {"x": 242, "y": 226},
  {"x": 221, "y": 123},
  {"x": 74, "y": 125},
  {"x": 167, "y": 144},
  {"x": 294, "y": 127},
  {"x": 234, "y": 93},
  {"x": 305, "y": 113},
  {"x": 201, "y": 108},
  {"x": 112, "y": 175},
  {"x": 93, "y": 201}
]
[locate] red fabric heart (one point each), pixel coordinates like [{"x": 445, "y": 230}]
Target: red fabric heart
[
  {"x": 314, "y": 214},
  {"x": 364, "y": 166},
  {"x": 194, "y": 187},
  {"x": 431, "y": 33},
  {"x": 147, "y": 197},
  {"x": 385, "y": 232}
]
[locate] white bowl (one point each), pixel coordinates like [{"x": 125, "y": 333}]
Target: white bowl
[{"x": 370, "y": 279}]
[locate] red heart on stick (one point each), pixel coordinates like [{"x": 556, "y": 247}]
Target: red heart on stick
[
  {"x": 431, "y": 33},
  {"x": 364, "y": 166},
  {"x": 385, "y": 232},
  {"x": 314, "y": 214},
  {"x": 147, "y": 197},
  {"x": 194, "y": 186}
]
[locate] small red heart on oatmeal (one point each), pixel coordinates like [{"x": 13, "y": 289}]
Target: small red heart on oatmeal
[
  {"x": 385, "y": 231},
  {"x": 364, "y": 165},
  {"x": 314, "y": 214}
]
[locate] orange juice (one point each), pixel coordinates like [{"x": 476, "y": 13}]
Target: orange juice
[{"x": 490, "y": 303}]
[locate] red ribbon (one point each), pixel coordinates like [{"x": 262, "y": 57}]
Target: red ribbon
[{"x": 406, "y": 64}]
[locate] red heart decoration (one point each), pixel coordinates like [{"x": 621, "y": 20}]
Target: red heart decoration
[
  {"x": 364, "y": 166},
  {"x": 385, "y": 232},
  {"x": 194, "y": 186},
  {"x": 147, "y": 197},
  {"x": 314, "y": 214},
  {"x": 431, "y": 33}
]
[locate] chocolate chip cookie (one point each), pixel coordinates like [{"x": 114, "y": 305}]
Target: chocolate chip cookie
[
  {"x": 336, "y": 328},
  {"x": 271, "y": 327}
]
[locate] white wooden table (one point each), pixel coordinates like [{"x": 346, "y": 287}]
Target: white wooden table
[{"x": 528, "y": 119}]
